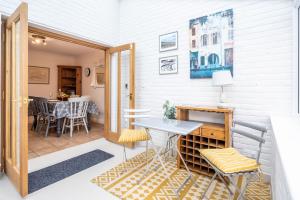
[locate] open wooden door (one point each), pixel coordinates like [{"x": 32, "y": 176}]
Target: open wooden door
[
  {"x": 119, "y": 89},
  {"x": 16, "y": 99}
]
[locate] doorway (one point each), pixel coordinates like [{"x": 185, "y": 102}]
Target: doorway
[
  {"x": 119, "y": 91},
  {"x": 59, "y": 70}
]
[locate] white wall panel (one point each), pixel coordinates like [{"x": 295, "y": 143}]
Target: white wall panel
[
  {"x": 262, "y": 49},
  {"x": 96, "y": 20},
  {"x": 262, "y": 58}
]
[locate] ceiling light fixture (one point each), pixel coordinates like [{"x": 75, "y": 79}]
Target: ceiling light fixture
[{"x": 37, "y": 39}]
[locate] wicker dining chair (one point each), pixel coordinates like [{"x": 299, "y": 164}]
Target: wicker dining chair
[{"x": 230, "y": 163}]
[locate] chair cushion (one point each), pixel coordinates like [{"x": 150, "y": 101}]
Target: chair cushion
[
  {"x": 229, "y": 160},
  {"x": 133, "y": 135}
]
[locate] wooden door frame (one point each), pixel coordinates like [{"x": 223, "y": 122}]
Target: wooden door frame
[
  {"x": 32, "y": 28},
  {"x": 19, "y": 176},
  {"x": 118, "y": 49},
  {"x": 64, "y": 37},
  {"x": 2, "y": 130}
]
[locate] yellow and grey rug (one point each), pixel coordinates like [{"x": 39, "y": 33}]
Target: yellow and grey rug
[{"x": 122, "y": 180}]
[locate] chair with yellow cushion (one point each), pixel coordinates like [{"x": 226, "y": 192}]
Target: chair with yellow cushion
[
  {"x": 230, "y": 163},
  {"x": 134, "y": 135}
]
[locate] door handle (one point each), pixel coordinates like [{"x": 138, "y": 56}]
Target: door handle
[
  {"x": 25, "y": 101},
  {"x": 130, "y": 96}
]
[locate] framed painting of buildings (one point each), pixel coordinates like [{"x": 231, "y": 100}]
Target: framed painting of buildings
[
  {"x": 168, "y": 41},
  {"x": 168, "y": 65},
  {"x": 38, "y": 75},
  {"x": 211, "y": 44}
]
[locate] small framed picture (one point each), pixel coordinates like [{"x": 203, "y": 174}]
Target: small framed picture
[
  {"x": 168, "y": 41},
  {"x": 168, "y": 65}
]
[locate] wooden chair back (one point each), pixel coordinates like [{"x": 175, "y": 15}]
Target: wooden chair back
[{"x": 78, "y": 106}]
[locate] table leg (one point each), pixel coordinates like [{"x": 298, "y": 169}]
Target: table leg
[
  {"x": 166, "y": 172},
  {"x": 169, "y": 145},
  {"x": 59, "y": 123},
  {"x": 153, "y": 159},
  {"x": 88, "y": 116},
  {"x": 34, "y": 122},
  {"x": 157, "y": 156},
  {"x": 186, "y": 167}
]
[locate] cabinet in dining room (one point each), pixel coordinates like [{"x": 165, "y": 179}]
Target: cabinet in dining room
[{"x": 69, "y": 79}]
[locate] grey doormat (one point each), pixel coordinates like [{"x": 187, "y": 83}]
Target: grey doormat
[{"x": 47, "y": 176}]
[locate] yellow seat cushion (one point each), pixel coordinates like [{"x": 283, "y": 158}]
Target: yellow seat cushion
[
  {"x": 133, "y": 135},
  {"x": 229, "y": 160}
]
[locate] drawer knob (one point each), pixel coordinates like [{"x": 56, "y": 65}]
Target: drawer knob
[{"x": 211, "y": 133}]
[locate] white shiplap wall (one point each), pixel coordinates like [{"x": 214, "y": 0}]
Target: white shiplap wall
[
  {"x": 96, "y": 20},
  {"x": 262, "y": 57},
  {"x": 262, "y": 50}
]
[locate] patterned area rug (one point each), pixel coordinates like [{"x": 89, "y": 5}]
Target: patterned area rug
[{"x": 122, "y": 180}]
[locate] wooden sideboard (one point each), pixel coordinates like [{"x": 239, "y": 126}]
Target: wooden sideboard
[{"x": 208, "y": 136}]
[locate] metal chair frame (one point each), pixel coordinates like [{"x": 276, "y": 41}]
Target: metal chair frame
[
  {"x": 248, "y": 174},
  {"x": 135, "y": 114}
]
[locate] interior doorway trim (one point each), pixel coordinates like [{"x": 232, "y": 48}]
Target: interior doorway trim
[{"x": 65, "y": 37}]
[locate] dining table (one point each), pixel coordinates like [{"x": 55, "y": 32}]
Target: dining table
[{"x": 61, "y": 109}]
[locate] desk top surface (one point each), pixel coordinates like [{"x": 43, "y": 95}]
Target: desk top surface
[
  {"x": 168, "y": 125},
  {"x": 205, "y": 108}
]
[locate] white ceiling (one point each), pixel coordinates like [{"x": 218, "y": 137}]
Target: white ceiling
[{"x": 60, "y": 47}]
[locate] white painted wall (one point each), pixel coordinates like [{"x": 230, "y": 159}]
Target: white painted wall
[
  {"x": 50, "y": 60},
  {"x": 96, "y": 20},
  {"x": 262, "y": 57},
  {"x": 96, "y": 94},
  {"x": 262, "y": 49}
]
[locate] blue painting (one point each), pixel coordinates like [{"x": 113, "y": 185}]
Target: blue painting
[{"x": 211, "y": 44}]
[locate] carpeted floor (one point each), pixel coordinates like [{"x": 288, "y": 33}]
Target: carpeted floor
[{"x": 121, "y": 181}]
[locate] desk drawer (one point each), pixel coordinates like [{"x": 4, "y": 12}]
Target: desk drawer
[{"x": 211, "y": 133}]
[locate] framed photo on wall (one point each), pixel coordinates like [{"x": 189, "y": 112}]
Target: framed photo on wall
[
  {"x": 38, "y": 75},
  {"x": 168, "y": 65},
  {"x": 168, "y": 42},
  {"x": 211, "y": 44}
]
